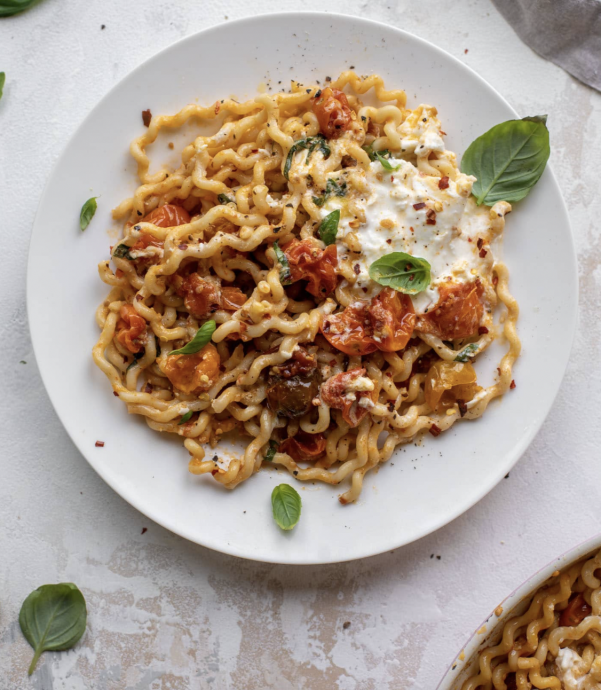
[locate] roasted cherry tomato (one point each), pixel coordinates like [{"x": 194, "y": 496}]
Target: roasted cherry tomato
[
  {"x": 311, "y": 263},
  {"x": 392, "y": 320},
  {"x": 447, "y": 382},
  {"x": 197, "y": 372},
  {"x": 130, "y": 327},
  {"x": 291, "y": 386},
  {"x": 145, "y": 240},
  {"x": 350, "y": 330},
  {"x": 232, "y": 298},
  {"x": 304, "y": 447},
  {"x": 341, "y": 392},
  {"x": 203, "y": 296},
  {"x": 333, "y": 113},
  {"x": 575, "y": 612},
  {"x": 167, "y": 216},
  {"x": 458, "y": 312}
]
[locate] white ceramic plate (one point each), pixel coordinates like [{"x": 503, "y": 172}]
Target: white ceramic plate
[
  {"x": 421, "y": 488},
  {"x": 491, "y": 630}
]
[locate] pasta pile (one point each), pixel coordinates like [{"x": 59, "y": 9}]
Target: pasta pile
[{"x": 231, "y": 236}]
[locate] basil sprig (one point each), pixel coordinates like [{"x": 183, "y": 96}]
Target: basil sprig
[
  {"x": 467, "y": 353},
  {"x": 223, "y": 199},
  {"x": 271, "y": 451},
  {"x": 185, "y": 417},
  {"x": 121, "y": 251},
  {"x": 385, "y": 162},
  {"x": 508, "y": 160},
  {"x": 332, "y": 189},
  {"x": 285, "y": 275},
  {"x": 8, "y": 8},
  {"x": 53, "y": 618},
  {"x": 2, "y": 81},
  {"x": 402, "y": 272},
  {"x": 286, "y": 505},
  {"x": 328, "y": 228},
  {"x": 87, "y": 212},
  {"x": 310, "y": 143},
  {"x": 203, "y": 337}
]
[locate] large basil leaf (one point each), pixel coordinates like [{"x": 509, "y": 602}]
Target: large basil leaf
[
  {"x": 508, "y": 160},
  {"x": 285, "y": 275},
  {"x": 402, "y": 272},
  {"x": 8, "y": 8},
  {"x": 328, "y": 228},
  {"x": 87, "y": 212},
  {"x": 286, "y": 505},
  {"x": 53, "y": 618},
  {"x": 203, "y": 337}
]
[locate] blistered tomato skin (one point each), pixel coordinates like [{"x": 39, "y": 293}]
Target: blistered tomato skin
[
  {"x": 333, "y": 113},
  {"x": 392, "y": 320},
  {"x": 349, "y": 331},
  {"x": 315, "y": 265},
  {"x": 194, "y": 373},
  {"x": 167, "y": 216},
  {"x": 304, "y": 447},
  {"x": 458, "y": 312},
  {"x": 129, "y": 328},
  {"x": 447, "y": 382},
  {"x": 339, "y": 392}
]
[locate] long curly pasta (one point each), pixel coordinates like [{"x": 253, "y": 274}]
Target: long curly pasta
[{"x": 235, "y": 195}]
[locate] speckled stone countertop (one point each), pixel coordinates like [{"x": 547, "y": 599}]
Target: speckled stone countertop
[{"x": 166, "y": 614}]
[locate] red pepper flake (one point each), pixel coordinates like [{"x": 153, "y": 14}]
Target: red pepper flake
[
  {"x": 479, "y": 243},
  {"x": 389, "y": 241},
  {"x": 482, "y": 253},
  {"x": 214, "y": 472},
  {"x": 333, "y": 363},
  {"x": 255, "y": 151},
  {"x": 148, "y": 388},
  {"x": 99, "y": 444},
  {"x": 465, "y": 51},
  {"x": 417, "y": 207},
  {"x": 443, "y": 183},
  {"x": 146, "y": 117},
  {"x": 144, "y": 530},
  {"x": 482, "y": 330},
  {"x": 435, "y": 431},
  {"x": 217, "y": 107},
  {"x": 462, "y": 407},
  {"x": 357, "y": 269},
  {"x": 499, "y": 370},
  {"x": 495, "y": 280},
  {"x": 431, "y": 217},
  {"x": 116, "y": 394},
  {"x": 139, "y": 298},
  {"x": 512, "y": 385},
  {"x": 411, "y": 228}
]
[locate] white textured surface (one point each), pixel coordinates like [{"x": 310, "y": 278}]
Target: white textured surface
[{"x": 169, "y": 615}]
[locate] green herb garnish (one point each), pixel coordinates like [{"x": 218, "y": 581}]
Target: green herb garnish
[
  {"x": 332, "y": 189},
  {"x": 328, "y": 228},
  {"x": 467, "y": 353},
  {"x": 311, "y": 144},
  {"x": 402, "y": 272},
  {"x": 508, "y": 160},
  {"x": 2, "y": 81},
  {"x": 223, "y": 199},
  {"x": 385, "y": 162},
  {"x": 87, "y": 212},
  {"x": 203, "y": 337},
  {"x": 185, "y": 417},
  {"x": 286, "y": 505},
  {"x": 271, "y": 451},
  {"x": 121, "y": 251},
  {"x": 285, "y": 275},
  {"x": 8, "y": 8},
  {"x": 53, "y": 618}
]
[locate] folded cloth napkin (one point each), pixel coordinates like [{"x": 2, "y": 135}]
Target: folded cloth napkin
[{"x": 567, "y": 32}]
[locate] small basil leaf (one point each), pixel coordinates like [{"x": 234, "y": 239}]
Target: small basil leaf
[
  {"x": 286, "y": 505},
  {"x": 508, "y": 160},
  {"x": 185, "y": 417},
  {"x": 203, "y": 337},
  {"x": 385, "y": 163},
  {"x": 223, "y": 199},
  {"x": 2, "y": 81},
  {"x": 328, "y": 228},
  {"x": 122, "y": 252},
  {"x": 467, "y": 353},
  {"x": 311, "y": 143},
  {"x": 332, "y": 188},
  {"x": 375, "y": 155},
  {"x": 402, "y": 272},
  {"x": 8, "y": 8},
  {"x": 87, "y": 212},
  {"x": 285, "y": 275},
  {"x": 271, "y": 451},
  {"x": 53, "y": 618}
]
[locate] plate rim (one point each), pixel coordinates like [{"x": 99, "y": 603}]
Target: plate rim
[{"x": 129, "y": 496}]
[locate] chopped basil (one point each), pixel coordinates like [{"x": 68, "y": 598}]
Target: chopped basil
[
  {"x": 402, "y": 272},
  {"x": 508, "y": 160},
  {"x": 332, "y": 189},
  {"x": 467, "y": 353},
  {"x": 53, "y": 618},
  {"x": 271, "y": 451},
  {"x": 186, "y": 417},
  {"x": 121, "y": 251},
  {"x": 385, "y": 162},
  {"x": 203, "y": 337},
  {"x": 286, "y": 505},
  {"x": 137, "y": 356},
  {"x": 328, "y": 228},
  {"x": 87, "y": 212},
  {"x": 2, "y": 80},
  {"x": 285, "y": 275},
  {"x": 223, "y": 199},
  {"x": 311, "y": 144}
]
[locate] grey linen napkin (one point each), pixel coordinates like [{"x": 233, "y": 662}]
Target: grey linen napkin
[{"x": 567, "y": 32}]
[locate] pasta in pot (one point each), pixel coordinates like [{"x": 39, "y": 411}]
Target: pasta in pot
[{"x": 269, "y": 228}]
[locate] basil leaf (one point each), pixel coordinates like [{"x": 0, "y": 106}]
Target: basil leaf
[
  {"x": 223, "y": 199},
  {"x": 87, "y": 212},
  {"x": 328, "y": 229},
  {"x": 467, "y": 353},
  {"x": 286, "y": 505},
  {"x": 203, "y": 337},
  {"x": 285, "y": 275},
  {"x": 185, "y": 417},
  {"x": 53, "y": 618},
  {"x": 8, "y": 8},
  {"x": 385, "y": 163},
  {"x": 122, "y": 252},
  {"x": 402, "y": 272},
  {"x": 332, "y": 188},
  {"x": 311, "y": 143},
  {"x": 374, "y": 155},
  {"x": 508, "y": 160},
  {"x": 2, "y": 81},
  {"x": 271, "y": 451}
]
